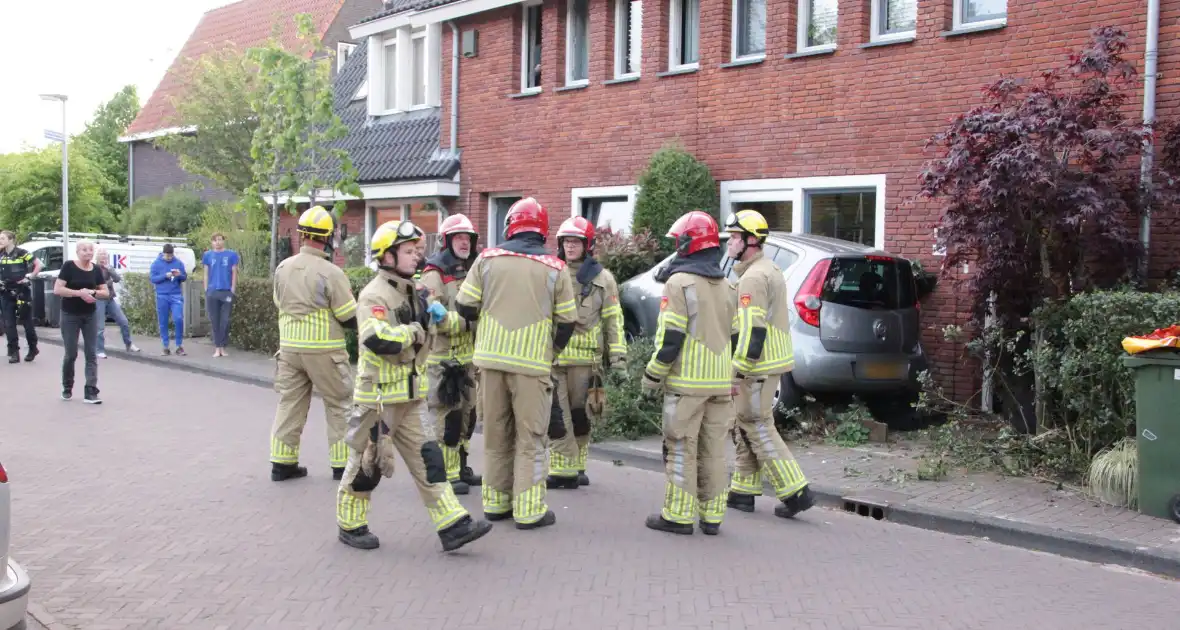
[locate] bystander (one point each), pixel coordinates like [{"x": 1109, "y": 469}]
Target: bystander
[
  {"x": 80, "y": 285},
  {"x": 110, "y": 306},
  {"x": 168, "y": 274},
  {"x": 221, "y": 285}
]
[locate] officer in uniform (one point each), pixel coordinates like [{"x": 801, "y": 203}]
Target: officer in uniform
[
  {"x": 691, "y": 364},
  {"x": 396, "y": 326},
  {"x": 524, "y": 302},
  {"x": 16, "y": 266},
  {"x": 762, "y": 355},
  {"x": 315, "y": 305},
  {"x": 451, "y": 403},
  {"x": 600, "y": 318}
]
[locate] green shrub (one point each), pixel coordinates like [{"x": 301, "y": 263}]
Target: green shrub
[
  {"x": 628, "y": 414},
  {"x": 242, "y": 234},
  {"x": 673, "y": 183},
  {"x": 627, "y": 256},
  {"x": 138, "y": 299},
  {"x": 176, "y": 213}
]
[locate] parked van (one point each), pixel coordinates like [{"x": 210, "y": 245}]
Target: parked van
[{"x": 133, "y": 254}]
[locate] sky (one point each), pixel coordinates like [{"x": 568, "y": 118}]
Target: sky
[{"x": 87, "y": 50}]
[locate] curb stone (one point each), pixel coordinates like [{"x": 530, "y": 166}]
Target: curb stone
[{"x": 1029, "y": 536}]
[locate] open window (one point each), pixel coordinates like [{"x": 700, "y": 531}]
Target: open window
[
  {"x": 530, "y": 49},
  {"x": 628, "y": 38}
]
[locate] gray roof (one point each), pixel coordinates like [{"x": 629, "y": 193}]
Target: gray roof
[
  {"x": 397, "y": 6},
  {"x": 390, "y": 148}
]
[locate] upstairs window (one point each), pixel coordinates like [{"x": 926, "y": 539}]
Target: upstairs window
[
  {"x": 418, "y": 59},
  {"x": 390, "y": 74},
  {"x": 894, "y": 19},
  {"x": 969, "y": 13},
  {"x": 344, "y": 50},
  {"x": 685, "y": 36},
  {"x": 577, "y": 47},
  {"x": 628, "y": 37},
  {"x": 749, "y": 29},
  {"x": 817, "y": 25},
  {"x": 530, "y": 49}
]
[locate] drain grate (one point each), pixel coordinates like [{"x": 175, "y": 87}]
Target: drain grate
[{"x": 864, "y": 508}]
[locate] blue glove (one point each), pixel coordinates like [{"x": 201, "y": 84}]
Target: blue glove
[{"x": 437, "y": 312}]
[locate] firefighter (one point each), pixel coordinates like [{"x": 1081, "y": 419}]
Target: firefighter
[
  {"x": 691, "y": 364},
  {"x": 315, "y": 305},
  {"x": 597, "y": 336},
  {"x": 524, "y": 301},
  {"x": 451, "y": 403},
  {"x": 396, "y": 326},
  {"x": 762, "y": 355}
]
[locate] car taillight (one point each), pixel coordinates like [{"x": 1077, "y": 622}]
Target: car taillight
[
  {"x": 807, "y": 300},
  {"x": 3, "y": 475}
]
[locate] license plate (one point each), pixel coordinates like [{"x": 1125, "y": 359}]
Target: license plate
[{"x": 891, "y": 370}]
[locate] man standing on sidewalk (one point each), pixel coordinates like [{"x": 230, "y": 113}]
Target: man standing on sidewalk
[
  {"x": 168, "y": 274},
  {"x": 16, "y": 300},
  {"x": 221, "y": 284}
]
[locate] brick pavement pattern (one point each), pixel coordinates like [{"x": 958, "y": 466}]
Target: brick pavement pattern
[{"x": 154, "y": 510}]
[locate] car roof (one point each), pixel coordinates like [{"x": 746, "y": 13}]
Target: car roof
[{"x": 825, "y": 244}]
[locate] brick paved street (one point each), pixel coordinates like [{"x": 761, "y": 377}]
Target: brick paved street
[{"x": 154, "y": 510}]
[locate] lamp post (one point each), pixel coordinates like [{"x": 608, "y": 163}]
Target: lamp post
[{"x": 65, "y": 175}]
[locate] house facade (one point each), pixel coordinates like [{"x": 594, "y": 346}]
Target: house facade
[{"x": 154, "y": 171}]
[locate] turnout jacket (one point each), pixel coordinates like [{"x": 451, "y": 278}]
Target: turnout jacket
[
  {"x": 315, "y": 303},
  {"x": 600, "y": 317},
  {"x": 391, "y": 342},
  {"x": 762, "y": 325},
  {"x": 455, "y": 338}
]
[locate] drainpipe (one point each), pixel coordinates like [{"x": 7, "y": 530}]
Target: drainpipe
[
  {"x": 455, "y": 84},
  {"x": 1146, "y": 162},
  {"x": 130, "y": 174}
]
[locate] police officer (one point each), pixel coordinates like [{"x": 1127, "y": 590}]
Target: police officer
[
  {"x": 597, "y": 335},
  {"x": 691, "y": 364},
  {"x": 451, "y": 403},
  {"x": 396, "y": 326},
  {"x": 16, "y": 266},
  {"x": 524, "y": 302},
  {"x": 315, "y": 305},
  {"x": 762, "y": 355}
]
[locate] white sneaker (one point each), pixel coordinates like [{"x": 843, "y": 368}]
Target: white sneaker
[
  {"x": 101, "y": 355},
  {"x": 132, "y": 348}
]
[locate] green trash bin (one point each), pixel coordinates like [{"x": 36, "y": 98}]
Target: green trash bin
[{"x": 1157, "y": 420}]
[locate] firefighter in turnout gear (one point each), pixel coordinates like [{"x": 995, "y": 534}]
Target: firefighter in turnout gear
[
  {"x": 451, "y": 403},
  {"x": 599, "y": 332},
  {"x": 691, "y": 364},
  {"x": 315, "y": 305},
  {"x": 396, "y": 327},
  {"x": 763, "y": 353},
  {"x": 524, "y": 301}
]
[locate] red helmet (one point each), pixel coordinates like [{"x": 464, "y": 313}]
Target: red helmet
[
  {"x": 577, "y": 227},
  {"x": 693, "y": 232},
  {"x": 526, "y": 215},
  {"x": 458, "y": 224}
]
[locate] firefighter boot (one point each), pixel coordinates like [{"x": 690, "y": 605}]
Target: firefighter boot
[
  {"x": 459, "y": 486},
  {"x": 465, "y": 531},
  {"x": 740, "y": 501},
  {"x": 283, "y": 472},
  {"x": 799, "y": 502},
  {"x": 466, "y": 474},
  {"x": 583, "y": 480},
  {"x": 562, "y": 483},
  {"x": 359, "y": 538},
  {"x": 548, "y": 519},
  {"x": 710, "y": 529},
  {"x": 660, "y": 524}
]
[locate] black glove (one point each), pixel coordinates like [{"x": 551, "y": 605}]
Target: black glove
[
  {"x": 454, "y": 383},
  {"x": 556, "y": 421}
]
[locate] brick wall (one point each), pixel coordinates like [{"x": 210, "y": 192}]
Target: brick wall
[
  {"x": 859, "y": 111},
  {"x": 156, "y": 171}
]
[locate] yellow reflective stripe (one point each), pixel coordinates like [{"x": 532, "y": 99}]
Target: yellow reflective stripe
[
  {"x": 583, "y": 453},
  {"x": 392, "y": 391},
  {"x": 658, "y": 368},
  {"x": 495, "y": 501},
  {"x": 679, "y": 506},
  {"x": 314, "y": 330},
  {"x": 673, "y": 320},
  {"x": 346, "y": 311},
  {"x": 338, "y": 454},
  {"x": 786, "y": 477},
  {"x": 530, "y": 505},
  {"x": 569, "y": 306},
  {"x": 746, "y": 484},
  {"x": 384, "y": 331},
  {"x": 561, "y": 466},
  {"x": 582, "y": 347},
  {"x": 713, "y": 510},
  {"x": 471, "y": 290},
  {"x": 281, "y": 453},
  {"x": 528, "y": 347},
  {"x": 777, "y": 355},
  {"x": 447, "y": 510},
  {"x": 351, "y": 511},
  {"x": 450, "y": 461}
]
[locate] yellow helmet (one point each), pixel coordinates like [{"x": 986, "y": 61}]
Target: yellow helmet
[
  {"x": 391, "y": 234},
  {"x": 748, "y": 221},
  {"x": 316, "y": 221}
]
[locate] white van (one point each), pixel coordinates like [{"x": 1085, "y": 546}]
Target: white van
[{"x": 134, "y": 254}]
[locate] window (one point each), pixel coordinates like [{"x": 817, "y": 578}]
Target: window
[
  {"x": 783, "y": 257},
  {"x": 606, "y": 206},
  {"x": 577, "y": 42},
  {"x": 869, "y": 282},
  {"x": 778, "y": 214},
  {"x": 849, "y": 216},
  {"x": 817, "y": 25},
  {"x": 628, "y": 37},
  {"x": 684, "y": 38},
  {"x": 418, "y": 89},
  {"x": 530, "y": 50},
  {"x": 849, "y": 207},
  {"x": 980, "y": 12},
  {"x": 390, "y": 75},
  {"x": 894, "y": 19},
  {"x": 50, "y": 257},
  {"x": 343, "y": 52},
  {"x": 749, "y": 29},
  {"x": 497, "y": 213}
]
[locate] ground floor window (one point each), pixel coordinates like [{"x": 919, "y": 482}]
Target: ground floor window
[
  {"x": 498, "y": 206},
  {"x": 850, "y": 208},
  {"x": 605, "y": 206},
  {"x": 846, "y": 215}
]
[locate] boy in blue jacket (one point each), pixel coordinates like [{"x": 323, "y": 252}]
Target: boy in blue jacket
[{"x": 168, "y": 274}]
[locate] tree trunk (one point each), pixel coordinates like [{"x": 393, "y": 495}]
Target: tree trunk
[
  {"x": 1042, "y": 408},
  {"x": 274, "y": 230}
]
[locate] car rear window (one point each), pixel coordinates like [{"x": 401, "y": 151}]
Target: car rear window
[{"x": 874, "y": 282}]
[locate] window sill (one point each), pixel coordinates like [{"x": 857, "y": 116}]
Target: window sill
[
  {"x": 975, "y": 28},
  {"x": 818, "y": 52},
  {"x": 573, "y": 86},
  {"x": 739, "y": 63},
  {"x": 677, "y": 72},
  {"x": 621, "y": 80},
  {"x": 527, "y": 94},
  {"x": 908, "y": 39}
]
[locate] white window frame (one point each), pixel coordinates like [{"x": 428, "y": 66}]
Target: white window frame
[
  {"x": 735, "y": 33},
  {"x": 386, "y": 107},
  {"x": 409, "y": 82},
  {"x": 795, "y": 190},
  {"x": 362, "y": 91},
  {"x": 569, "y": 45},
  {"x": 494, "y": 231},
  {"x": 593, "y": 192},
  {"x": 525, "y": 70},
  {"x": 343, "y": 51},
  {"x": 804, "y": 15},
  {"x": 959, "y": 12},
  {"x": 675, "y": 8},
  {"x": 877, "y": 25},
  {"x": 622, "y": 36}
]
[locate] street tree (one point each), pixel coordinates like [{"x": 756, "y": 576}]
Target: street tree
[
  {"x": 30, "y": 192},
  {"x": 294, "y": 149},
  {"x": 100, "y": 142}
]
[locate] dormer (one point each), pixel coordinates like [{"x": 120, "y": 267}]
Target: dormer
[{"x": 404, "y": 69}]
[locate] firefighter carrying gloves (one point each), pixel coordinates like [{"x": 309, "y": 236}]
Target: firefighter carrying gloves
[
  {"x": 451, "y": 402},
  {"x": 315, "y": 305},
  {"x": 524, "y": 302},
  {"x": 16, "y": 267},
  {"x": 762, "y": 354},
  {"x": 396, "y": 329},
  {"x": 598, "y": 335},
  {"x": 691, "y": 365}
]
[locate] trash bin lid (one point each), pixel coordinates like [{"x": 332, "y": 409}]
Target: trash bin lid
[{"x": 1164, "y": 356}]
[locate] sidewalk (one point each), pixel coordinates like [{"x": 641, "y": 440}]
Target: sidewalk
[{"x": 879, "y": 481}]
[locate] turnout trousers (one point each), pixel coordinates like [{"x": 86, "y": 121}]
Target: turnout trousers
[
  {"x": 296, "y": 373},
  {"x": 515, "y": 412},
  {"x": 455, "y": 425},
  {"x": 568, "y": 454},
  {"x": 760, "y": 449},
  {"x": 695, "y": 428}
]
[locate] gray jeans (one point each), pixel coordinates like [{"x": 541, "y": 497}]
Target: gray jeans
[
  {"x": 71, "y": 325},
  {"x": 219, "y": 304}
]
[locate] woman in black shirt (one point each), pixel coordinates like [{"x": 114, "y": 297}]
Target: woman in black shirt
[{"x": 80, "y": 285}]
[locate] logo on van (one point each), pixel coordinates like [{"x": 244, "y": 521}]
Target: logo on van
[{"x": 119, "y": 261}]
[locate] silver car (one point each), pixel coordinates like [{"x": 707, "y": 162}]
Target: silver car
[
  {"x": 14, "y": 582},
  {"x": 854, "y": 318}
]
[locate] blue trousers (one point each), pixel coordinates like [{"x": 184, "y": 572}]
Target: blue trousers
[{"x": 171, "y": 305}]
